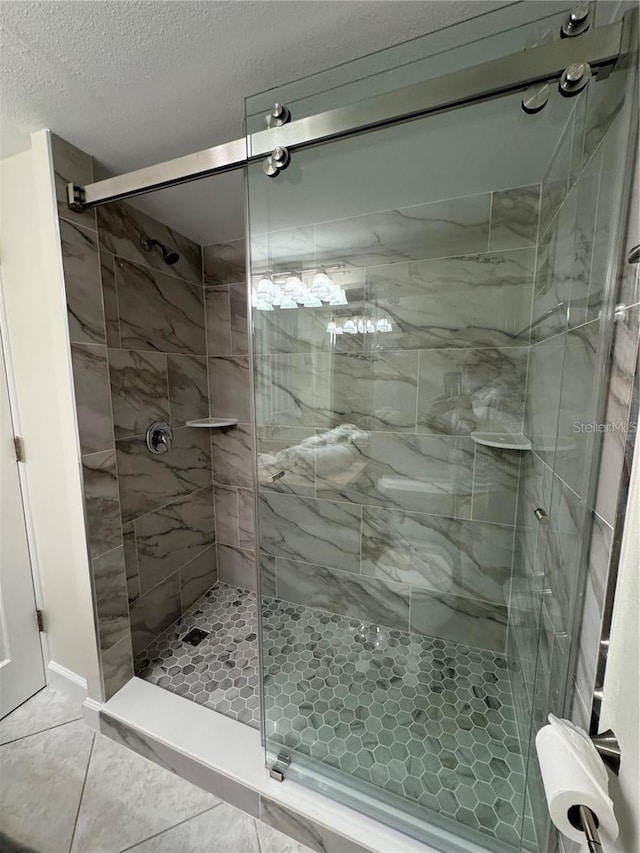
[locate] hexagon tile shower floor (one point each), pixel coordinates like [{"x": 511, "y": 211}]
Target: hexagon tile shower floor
[{"x": 428, "y": 720}]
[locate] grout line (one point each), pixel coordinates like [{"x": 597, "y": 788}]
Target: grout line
[
  {"x": 269, "y": 493},
  {"x": 169, "y": 828},
  {"x": 177, "y": 499},
  {"x": 75, "y": 224},
  {"x": 138, "y": 263},
  {"x": 418, "y": 375},
  {"x": 40, "y": 731},
  {"x": 255, "y": 826},
  {"x": 172, "y": 573},
  {"x": 490, "y": 224},
  {"x": 115, "y": 288},
  {"x": 84, "y": 784},
  {"x": 473, "y": 482}
]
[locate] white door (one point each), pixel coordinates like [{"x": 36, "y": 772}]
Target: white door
[{"x": 21, "y": 666}]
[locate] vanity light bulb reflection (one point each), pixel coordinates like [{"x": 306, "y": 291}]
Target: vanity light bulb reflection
[{"x": 361, "y": 326}]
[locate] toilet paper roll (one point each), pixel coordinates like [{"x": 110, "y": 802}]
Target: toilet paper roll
[{"x": 574, "y": 775}]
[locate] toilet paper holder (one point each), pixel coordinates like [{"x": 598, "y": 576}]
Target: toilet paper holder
[
  {"x": 608, "y": 747},
  {"x": 583, "y": 818},
  {"x": 586, "y": 821}
]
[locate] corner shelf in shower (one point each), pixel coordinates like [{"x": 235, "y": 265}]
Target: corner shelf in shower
[
  {"x": 504, "y": 440},
  {"x": 213, "y": 423}
]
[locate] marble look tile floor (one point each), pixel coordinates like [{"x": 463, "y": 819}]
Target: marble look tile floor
[
  {"x": 222, "y": 671},
  {"x": 66, "y": 789},
  {"x": 428, "y": 720}
]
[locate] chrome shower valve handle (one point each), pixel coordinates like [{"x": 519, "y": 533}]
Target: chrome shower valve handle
[{"x": 159, "y": 437}]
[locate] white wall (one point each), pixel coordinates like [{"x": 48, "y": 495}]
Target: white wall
[
  {"x": 621, "y": 701},
  {"x": 38, "y": 339}
]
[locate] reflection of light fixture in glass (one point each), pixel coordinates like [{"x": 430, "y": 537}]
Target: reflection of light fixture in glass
[
  {"x": 290, "y": 291},
  {"x": 294, "y": 288},
  {"x": 276, "y": 295},
  {"x": 322, "y": 286},
  {"x": 359, "y": 325},
  {"x": 339, "y": 297},
  {"x": 260, "y": 302},
  {"x": 311, "y": 301}
]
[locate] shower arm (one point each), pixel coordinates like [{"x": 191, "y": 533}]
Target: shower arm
[{"x": 598, "y": 47}]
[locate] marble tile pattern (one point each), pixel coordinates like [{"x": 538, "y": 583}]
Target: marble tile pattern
[
  {"x": 456, "y": 754},
  {"x": 154, "y": 611},
  {"x": 326, "y": 532},
  {"x": 71, "y": 164},
  {"x": 111, "y": 597},
  {"x": 148, "y": 482},
  {"x": 232, "y": 456},
  {"x": 47, "y": 709},
  {"x": 315, "y": 835},
  {"x": 478, "y": 300},
  {"x": 222, "y": 671},
  {"x": 117, "y": 665},
  {"x": 120, "y": 227},
  {"x": 197, "y": 576},
  {"x": 435, "y": 230},
  {"x": 159, "y": 311},
  {"x": 81, "y": 269},
  {"x": 126, "y": 799},
  {"x": 344, "y": 593},
  {"x": 139, "y": 390},
  {"x": 456, "y": 280},
  {"x": 229, "y": 390},
  {"x": 427, "y": 720},
  {"x": 224, "y": 263},
  {"x": 47, "y": 769},
  {"x": 573, "y": 253},
  {"x": 93, "y": 400},
  {"x": 138, "y": 346},
  {"x": 230, "y": 396},
  {"x": 237, "y": 566},
  {"x": 514, "y": 218},
  {"x": 169, "y": 537},
  {"x": 75, "y": 790},
  {"x": 462, "y": 558},
  {"x": 102, "y": 504},
  {"x": 110, "y": 298}
]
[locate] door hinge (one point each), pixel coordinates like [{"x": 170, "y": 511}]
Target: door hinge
[
  {"x": 40, "y": 620},
  {"x": 18, "y": 444}
]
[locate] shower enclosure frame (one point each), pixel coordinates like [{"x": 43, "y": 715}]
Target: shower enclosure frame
[
  {"x": 602, "y": 47},
  {"x": 599, "y": 48}
]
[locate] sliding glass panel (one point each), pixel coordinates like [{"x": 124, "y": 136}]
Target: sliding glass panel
[{"x": 409, "y": 290}]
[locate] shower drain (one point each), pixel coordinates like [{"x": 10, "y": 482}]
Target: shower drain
[{"x": 195, "y": 636}]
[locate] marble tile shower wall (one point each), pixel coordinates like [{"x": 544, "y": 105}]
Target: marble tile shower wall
[
  {"x": 138, "y": 349},
  {"x": 156, "y": 337},
  {"x": 577, "y": 208},
  {"x": 375, "y": 502},
  {"x": 230, "y": 396}
]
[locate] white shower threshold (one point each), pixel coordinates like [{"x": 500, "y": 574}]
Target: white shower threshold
[{"x": 226, "y": 758}]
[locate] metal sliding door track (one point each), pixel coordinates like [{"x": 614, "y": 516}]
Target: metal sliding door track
[{"x": 598, "y": 47}]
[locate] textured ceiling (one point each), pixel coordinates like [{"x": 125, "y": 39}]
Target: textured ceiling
[{"x": 135, "y": 83}]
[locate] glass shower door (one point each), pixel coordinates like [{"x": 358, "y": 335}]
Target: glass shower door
[{"x": 399, "y": 313}]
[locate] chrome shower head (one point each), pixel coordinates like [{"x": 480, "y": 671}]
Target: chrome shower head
[{"x": 169, "y": 255}]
